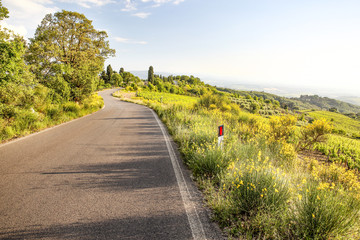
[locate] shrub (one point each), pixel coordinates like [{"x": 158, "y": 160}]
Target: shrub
[
  {"x": 313, "y": 133},
  {"x": 7, "y": 132},
  {"x": 281, "y": 127},
  {"x": 93, "y": 102},
  {"x": 255, "y": 186},
  {"x": 208, "y": 162},
  {"x": 53, "y": 111},
  {"x": 24, "y": 120},
  {"x": 7, "y": 111},
  {"x": 220, "y": 101},
  {"x": 71, "y": 107},
  {"x": 322, "y": 213}
]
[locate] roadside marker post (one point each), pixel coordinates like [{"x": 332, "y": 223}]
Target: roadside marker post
[{"x": 220, "y": 136}]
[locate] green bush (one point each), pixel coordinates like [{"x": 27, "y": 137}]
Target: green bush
[
  {"x": 323, "y": 213},
  {"x": 53, "y": 111},
  {"x": 208, "y": 162},
  {"x": 255, "y": 186},
  {"x": 71, "y": 107},
  {"x": 25, "y": 120}
]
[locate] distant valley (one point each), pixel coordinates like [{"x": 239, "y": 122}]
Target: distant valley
[{"x": 282, "y": 91}]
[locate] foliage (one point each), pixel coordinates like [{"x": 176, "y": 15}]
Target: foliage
[
  {"x": 341, "y": 150},
  {"x": 151, "y": 75},
  {"x": 213, "y": 101},
  {"x": 313, "y": 133},
  {"x": 294, "y": 104},
  {"x": 282, "y": 127},
  {"x": 208, "y": 162},
  {"x": 16, "y": 81},
  {"x": 65, "y": 66},
  {"x": 343, "y": 125},
  {"x": 255, "y": 185},
  {"x": 67, "y": 49},
  {"x": 4, "y": 12},
  {"x": 323, "y": 213},
  {"x": 25, "y": 121},
  {"x": 168, "y": 98},
  {"x": 334, "y": 174},
  {"x": 328, "y": 103},
  {"x": 109, "y": 73}
]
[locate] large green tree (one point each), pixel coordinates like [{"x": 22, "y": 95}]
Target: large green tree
[
  {"x": 67, "y": 54},
  {"x": 16, "y": 81}
]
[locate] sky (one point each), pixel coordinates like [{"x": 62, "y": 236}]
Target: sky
[{"x": 313, "y": 44}]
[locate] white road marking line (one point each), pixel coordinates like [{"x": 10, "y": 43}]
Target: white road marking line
[{"x": 197, "y": 229}]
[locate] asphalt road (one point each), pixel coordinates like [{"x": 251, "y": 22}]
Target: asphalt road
[{"x": 110, "y": 175}]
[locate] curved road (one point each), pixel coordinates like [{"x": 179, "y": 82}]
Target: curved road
[{"x": 110, "y": 175}]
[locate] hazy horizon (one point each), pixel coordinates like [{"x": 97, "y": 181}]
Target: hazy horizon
[{"x": 280, "y": 90}]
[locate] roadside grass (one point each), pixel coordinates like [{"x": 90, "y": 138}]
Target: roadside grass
[
  {"x": 44, "y": 115},
  {"x": 255, "y": 184}
]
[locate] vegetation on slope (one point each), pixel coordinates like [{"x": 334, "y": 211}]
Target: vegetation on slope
[
  {"x": 343, "y": 125},
  {"x": 304, "y": 102},
  {"x": 326, "y": 103},
  {"x": 256, "y": 184},
  {"x": 52, "y": 79}
]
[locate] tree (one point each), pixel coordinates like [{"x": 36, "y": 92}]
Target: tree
[
  {"x": 67, "y": 49},
  {"x": 333, "y": 109},
  {"x": 4, "y": 12},
  {"x": 151, "y": 74},
  {"x": 116, "y": 79},
  {"x": 121, "y": 71},
  {"x": 109, "y": 73},
  {"x": 103, "y": 76},
  {"x": 16, "y": 81},
  {"x": 313, "y": 133}
]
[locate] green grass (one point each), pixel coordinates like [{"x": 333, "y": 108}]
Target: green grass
[
  {"x": 26, "y": 121},
  {"x": 343, "y": 125},
  {"x": 168, "y": 98}
]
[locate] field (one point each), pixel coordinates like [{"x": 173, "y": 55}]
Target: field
[
  {"x": 255, "y": 185},
  {"x": 168, "y": 98},
  {"x": 342, "y": 150}
]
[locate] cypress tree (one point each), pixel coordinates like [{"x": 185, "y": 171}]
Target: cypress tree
[
  {"x": 151, "y": 74},
  {"x": 109, "y": 73}
]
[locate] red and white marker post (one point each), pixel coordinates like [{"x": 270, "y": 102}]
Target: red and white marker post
[{"x": 220, "y": 136}]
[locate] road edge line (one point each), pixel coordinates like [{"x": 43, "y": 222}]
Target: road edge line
[{"x": 196, "y": 226}]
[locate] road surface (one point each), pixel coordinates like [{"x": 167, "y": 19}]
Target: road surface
[{"x": 110, "y": 175}]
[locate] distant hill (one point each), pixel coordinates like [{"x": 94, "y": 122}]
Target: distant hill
[
  {"x": 326, "y": 103},
  {"x": 352, "y": 100},
  {"x": 301, "y": 103}
]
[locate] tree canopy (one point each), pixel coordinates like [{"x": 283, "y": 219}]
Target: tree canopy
[
  {"x": 16, "y": 81},
  {"x": 67, "y": 54},
  {"x": 4, "y": 12}
]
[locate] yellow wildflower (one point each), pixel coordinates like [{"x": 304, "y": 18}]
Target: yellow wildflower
[{"x": 299, "y": 196}]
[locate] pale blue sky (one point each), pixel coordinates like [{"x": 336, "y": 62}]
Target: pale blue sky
[{"x": 305, "y": 43}]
